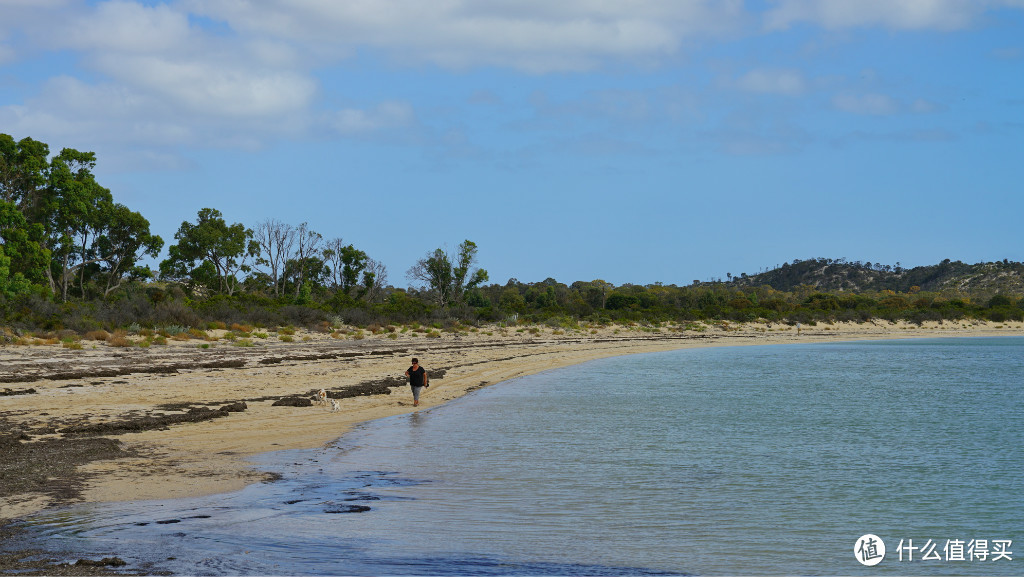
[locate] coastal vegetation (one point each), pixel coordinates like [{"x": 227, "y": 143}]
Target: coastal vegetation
[{"x": 71, "y": 262}]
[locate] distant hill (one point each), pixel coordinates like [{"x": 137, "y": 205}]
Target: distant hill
[{"x": 828, "y": 275}]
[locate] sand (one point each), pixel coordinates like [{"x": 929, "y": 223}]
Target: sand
[{"x": 100, "y": 384}]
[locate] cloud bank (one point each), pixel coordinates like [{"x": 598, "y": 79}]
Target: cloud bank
[{"x": 242, "y": 73}]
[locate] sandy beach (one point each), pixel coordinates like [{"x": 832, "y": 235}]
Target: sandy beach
[{"x": 131, "y": 423}]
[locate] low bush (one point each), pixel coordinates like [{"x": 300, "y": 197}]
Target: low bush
[{"x": 119, "y": 338}]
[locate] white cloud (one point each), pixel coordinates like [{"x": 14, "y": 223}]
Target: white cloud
[
  {"x": 214, "y": 88},
  {"x": 868, "y": 104},
  {"x": 923, "y": 106},
  {"x": 772, "y": 81},
  {"x": 162, "y": 81},
  {"x": 895, "y": 14},
  {"x": 7, "y": 54},
  {"x": 530, "y": 35},
  {"x": 68, "y": 108},
  {"x": 114, "y": 116},
  {"x": 126, "y": 27},
  {"x": 386, "y": 115},
  {"x": 155, "y": 51}
]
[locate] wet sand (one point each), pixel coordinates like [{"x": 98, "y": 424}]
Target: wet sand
[{"x": 109, "y": 424}]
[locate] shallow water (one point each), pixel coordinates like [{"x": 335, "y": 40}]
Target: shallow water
[{"x": 750, "y": 460}]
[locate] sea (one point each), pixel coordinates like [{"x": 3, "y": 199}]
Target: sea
[{"x": 899, "y": 457}]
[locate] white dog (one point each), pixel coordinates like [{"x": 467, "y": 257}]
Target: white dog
[{"x": 335, "y": 405}]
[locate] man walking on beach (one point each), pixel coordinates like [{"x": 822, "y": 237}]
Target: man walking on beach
[{"x": 417, "y": 380}]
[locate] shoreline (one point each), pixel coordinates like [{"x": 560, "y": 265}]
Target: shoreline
[{"x": 107, "y": 397}]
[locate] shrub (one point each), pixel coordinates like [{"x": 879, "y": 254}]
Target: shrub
[
  {"x": 100, "y": 335},
  {"x": 286, "y": 338},
  {"x": 119, "y": 339},
  {"x": 176, "y": 313},
  {"x": 306, "y": 316}
]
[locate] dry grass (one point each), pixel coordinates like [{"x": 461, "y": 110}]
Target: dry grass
[
  {"x": 119, "y": 339},
  {"x": 99, "y": 335}
]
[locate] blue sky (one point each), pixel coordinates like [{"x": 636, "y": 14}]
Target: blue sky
[{"x": 635, "y": 142}]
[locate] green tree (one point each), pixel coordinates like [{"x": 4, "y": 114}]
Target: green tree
[
  {"x": 71, "y": 210},
  {"x": 70, "y": 227},
  {"x": 210, "y": 252},
  {"x": 447, "y": 279},
  {"x": 126, "y": 239},
  {"x": 11, "y": 284},
  {"x": 512, "y": 301},
  {"x": 347, "y": 264},
  {"x": 307, "y": 250},
  {"x": 599, "y": 291},
  {"x": 314, "y": 273},
  {"x": 21, "y": 242},
  {"x": 23, "y": 170}
]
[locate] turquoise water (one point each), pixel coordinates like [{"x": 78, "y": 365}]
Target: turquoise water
[{"x": 741, "y": 460}]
